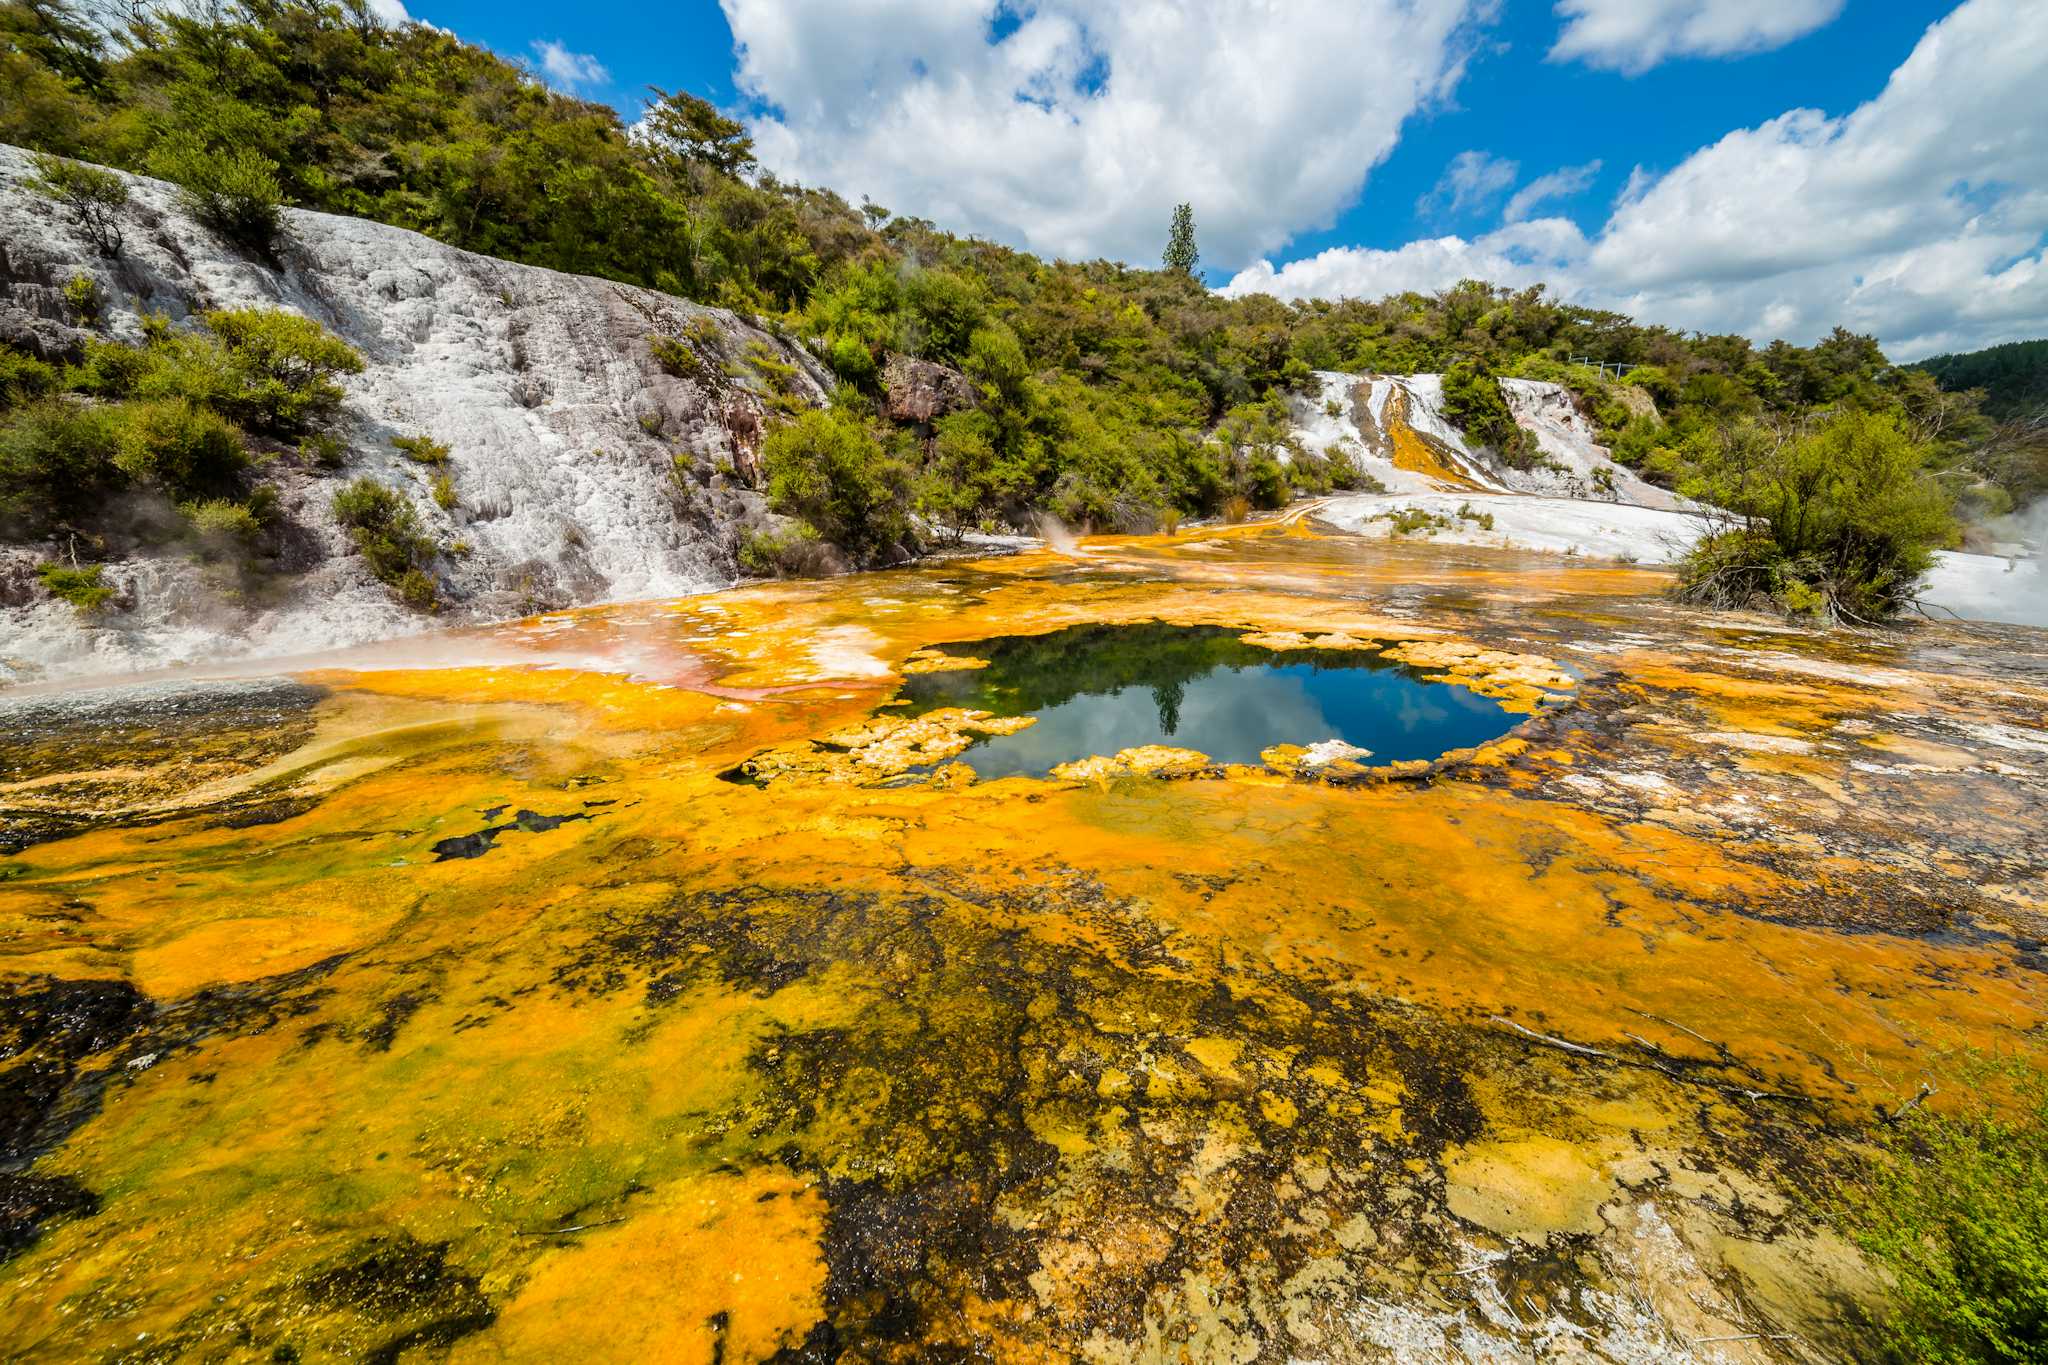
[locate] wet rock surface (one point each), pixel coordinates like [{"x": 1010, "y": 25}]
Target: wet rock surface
[{"x": 1545, "y": 1050}]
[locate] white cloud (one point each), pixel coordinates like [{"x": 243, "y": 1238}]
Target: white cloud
[
  {"x": 391, "y": 12},
  {"x": 1471, "y": 182},
  {"x": 566, "y": 70},
  {"x": 1920, "y": 216},
  {"x": 1517, "y": 254},
  {"x": 1080, "y": 128},
  {"x": 1634, "y": 35},
  {"x": 1562, "y": 183}
]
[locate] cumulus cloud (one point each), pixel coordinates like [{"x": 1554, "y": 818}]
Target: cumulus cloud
[
  {"x": 566, "y": 70},
  {"x": 1073, "y": 128},
  {"x": 390, "y": 12},
  {"x": 1516, "y": 254},
  {"x": 1919, "y": 216},
  {"x": 1471, "y": 182},
  {"x": 1632, "y": 36},
  {"x": 1561, "y": 183}
]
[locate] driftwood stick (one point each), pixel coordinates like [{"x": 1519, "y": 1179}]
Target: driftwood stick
[
  {"x": 1910, "y": 1105},
  {"x": 1532, "y": 1034}
]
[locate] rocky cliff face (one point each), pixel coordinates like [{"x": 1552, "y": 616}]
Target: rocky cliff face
[{"x": 564, "y": 432}]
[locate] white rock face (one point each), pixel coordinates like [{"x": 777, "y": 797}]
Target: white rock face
[
  {"x": 562, "y": 429},
  {"x": 1575, "y": 465},
  {"x": 1567, "y": 526}
]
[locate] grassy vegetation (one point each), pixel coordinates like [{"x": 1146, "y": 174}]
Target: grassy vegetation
[{"x": 1955, "y": 1209}]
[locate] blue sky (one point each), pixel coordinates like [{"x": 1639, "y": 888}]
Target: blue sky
[{"x": 1322, "y": 152}]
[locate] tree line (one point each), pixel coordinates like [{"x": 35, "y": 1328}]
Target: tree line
[{"x": 1113, "y": 397}]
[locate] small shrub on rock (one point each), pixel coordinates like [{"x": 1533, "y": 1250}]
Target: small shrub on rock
[
  {"x": 386, "y": 530},
  {"x": 220, "y": 528},
  {"x": 23, "y": 377},
  {"x": 323, "y": 451},
  {"x": 93, "y": 196},
  {"x": 180, "y": 447},
  {"x": 284, "y": 366},
  {"x": 84, "y": 300},
  {"x": 56, "y": 464},
  {"x": 236, "y": 193},
  {"x": 794, "y": 552},
  {"x": 422, "y": 449},
  {"x": 83, "y": 587},
  {"x": 676, "y": 357}
]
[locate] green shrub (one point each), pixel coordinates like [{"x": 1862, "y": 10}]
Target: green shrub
[
  {"x": 81, "y": 587},
  {"x": 828, "y": 470},
  {"x": 422, "y": 449},
  {"x": 180, "y": 447},
  {"x": 221, "y": 528},
  {"x": 110, "y": 369},
  {"x": 852, "y": 360},
  {"x": 944, "y": 311},
  {"x": 1473, "y": 400},
  {"x": 56, "y": 464},
  {"x": 444, "y": 493},
  {"x": 1955, "y": 1209},
  {"x": 93, "y": 196},
  {"x": 323, "y": 450},
  {"x": 84, "y": 300},
  {"x": 284, "y": 367},
  {"x": 1837, "y": 521},
  {"x": 386, "y": 530},
  {"x": 236, "y": 193},
  {"x": 676, "y": 357},
  {"x": 268, "y": 370},
  {"x": 1407, "y": 521},
  {"x": 795, "y": 552},
  {"x": 23, "y": 377}
]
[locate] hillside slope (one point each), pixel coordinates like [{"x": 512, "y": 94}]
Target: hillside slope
[{"x": 564, "y": 433}]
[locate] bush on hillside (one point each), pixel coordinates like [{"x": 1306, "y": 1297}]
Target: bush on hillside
[
  {"x": 1837, "y": 521},
  {"x": 269, "y": 371},
  {"x": 84, "y": 300},
  {"x": 422, "y": 449},
  {"x": 284, "y": 367},
  {"x": 236, "y": 193},
  {"x": 82, "y": 587},
  {"x": 92, "y": 196},
  {"x": 794, "y": 552},
  {"x": 56, "y": 465},
  {"x": 828, "y": 470},
  {"x": 23, "y": 377},
  {"x": 1473, "y": 400},
  {"x": 386, "y": 530},
  {"x": 182, "y": 448}
]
